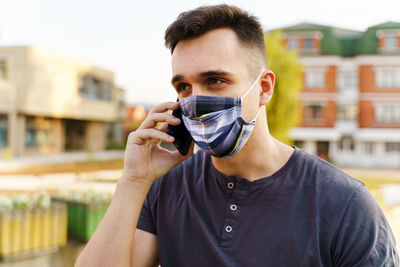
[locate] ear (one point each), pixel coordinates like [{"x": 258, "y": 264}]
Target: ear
[{"x": 267, "y": 87}]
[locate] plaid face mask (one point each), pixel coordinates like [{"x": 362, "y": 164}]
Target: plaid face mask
[{"x": 216, "y": 122}]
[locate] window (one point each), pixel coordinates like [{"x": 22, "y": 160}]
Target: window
[
  {"x": 388, "y": 40},
  {"x": 3, "y": 130},
  {"x": 369, "y": 148},
  {"x": 107, "y": 91},
  {"x": 80, "y": 130},
  {"x": 30, "y": 132},
  {"x": 292, "y": 43},
  {"x": 347, "y": 80},
  {"x": 391, "y": 41},
  {"x": 387, "y": 112},
  {"x": 346, "y": 143},
  {"x": 315, "y": 77},
  {"x": 387, "y": 77},
  {"x": 347, "y": 112},
  {"x": 3, "y": 69},
  {"x": 308, "y": 43},
  {"x": 84, "y": 86},
  {"x": 392, "y": 147},
  {"x": 38, "y": 132},
  {"x": 313, "y": 113},
  {"x": 44, "y": 137},
  {"x": 95, "y": 89}
]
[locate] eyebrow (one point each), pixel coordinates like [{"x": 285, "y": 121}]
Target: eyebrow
[
  {"x": 204, "y": 74},
  {"x": 176, "y": 78}
]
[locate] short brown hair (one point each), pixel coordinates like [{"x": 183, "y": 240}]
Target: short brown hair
[{"x": 199, "y": 21}]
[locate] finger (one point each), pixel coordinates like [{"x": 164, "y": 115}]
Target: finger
[
  {"x": 165, "y": 107},
  {"x": 141, "y": 136},
  {"x": 153, "y": 118},
  {"x": 163, "y": 127}
]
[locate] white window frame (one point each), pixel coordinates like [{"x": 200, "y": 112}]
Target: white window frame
[
  {"x": 305, "y": 42},
  {"x": 310, "y": 119},
  {"x": 293, "y": 43},
  {"x": 369, "y": 148},
  {"x": 346, "y": 144},
  {"x": 315, "y": 77},
  {"x": 387, "y": 112},
  {"x": 387, "y": 77},
  {"x": 347, "y": 112},
  {"x": 391, "y": 36},
  {"x": 392, "y": 148},
  {"x": 347, "y": 79}
]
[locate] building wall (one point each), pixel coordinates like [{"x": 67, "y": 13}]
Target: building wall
[
  {"x": 328, "y": 118},
  {"x": 48, "y": 135},
  {"x": 366, "y": 78},
  {"x": 8, "y": 107},
  {"x": 53, "y": 88},
  {"x": 322, "y": 96},
  {"x": 366, "y": 114},
  {"x": 329, "y": 81},
  {"x": 59, "y": 135},
  {"x": 95, "y": 136},
  {"x": 370, "y": 95},
  {"x": 361, "y": 93},
  {"x": 330, "y": 78},
  {"x": 45, "y": 86},
  {"x": 359, "y": 123}
]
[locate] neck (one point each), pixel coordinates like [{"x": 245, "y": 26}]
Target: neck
[{"x": 261, "y": 157}]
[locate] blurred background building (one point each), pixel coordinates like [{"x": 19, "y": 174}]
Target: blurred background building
[
  {"x": 351, "y": 94},
  {"x": 135, "y": 115},
  {"x": 50, "y": 103}
]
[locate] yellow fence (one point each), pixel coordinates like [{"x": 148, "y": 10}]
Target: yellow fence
[{"x": 25, "y": 231}]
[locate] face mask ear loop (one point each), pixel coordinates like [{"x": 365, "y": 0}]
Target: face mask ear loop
[
  {"x": 248, "y": 90},
  {"x": 258, "y": 112},
  {"x": 252, "y": 85}
]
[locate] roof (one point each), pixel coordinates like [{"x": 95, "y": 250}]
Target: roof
[
  {"x": 305, "y": 25},
  {"x": 368, "y": 43},
  {"x": 387, "y": 24},
  {"x": 344, "y": 42}
]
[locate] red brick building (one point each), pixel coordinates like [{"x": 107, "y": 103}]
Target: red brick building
[{"x": 351, "y": 94}]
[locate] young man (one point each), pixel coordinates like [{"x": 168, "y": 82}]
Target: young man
[{"x": 245, "y": 199}]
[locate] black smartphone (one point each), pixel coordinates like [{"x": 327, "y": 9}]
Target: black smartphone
[{"x": 183, "y": 139}]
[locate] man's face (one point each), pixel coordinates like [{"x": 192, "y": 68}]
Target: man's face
[{"x": 215, "y": 64}]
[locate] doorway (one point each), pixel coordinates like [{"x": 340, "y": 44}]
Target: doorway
[
  {"x": 323, "y": 150},
  {"x": 75, "y": 135}
]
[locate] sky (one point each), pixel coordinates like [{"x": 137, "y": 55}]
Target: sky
[{"x": 126, "y": 37}]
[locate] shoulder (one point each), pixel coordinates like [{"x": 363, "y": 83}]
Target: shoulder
[
  {"x": 359, "y": 232},
  {"x": 363, "y": 236},
  {"x": 333, "y": 189},
  {"x": 325, "y": 176}
]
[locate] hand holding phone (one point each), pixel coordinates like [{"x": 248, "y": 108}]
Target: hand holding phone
[{"x": 183, "y": 139}]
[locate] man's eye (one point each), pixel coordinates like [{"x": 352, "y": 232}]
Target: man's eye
[
  {"x": 182, "y": 87},
  {"x": 214, "y": 81}
]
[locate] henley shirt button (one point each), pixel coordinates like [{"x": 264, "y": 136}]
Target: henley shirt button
[
  {"x": 233, "y": 207},
  {"x": 231, "y": 185},
  {"x": 228, "y": 228}
]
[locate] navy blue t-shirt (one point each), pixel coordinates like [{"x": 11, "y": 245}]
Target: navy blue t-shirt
[{"x": 309, "y": 213}]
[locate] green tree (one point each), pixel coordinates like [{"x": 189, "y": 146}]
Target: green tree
[{"x": 283, "y": 109}]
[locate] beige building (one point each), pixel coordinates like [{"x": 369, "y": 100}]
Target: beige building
[{"x": 50, "y": 103}]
